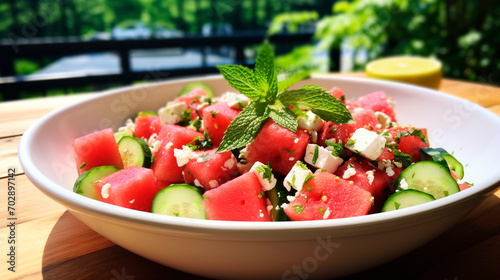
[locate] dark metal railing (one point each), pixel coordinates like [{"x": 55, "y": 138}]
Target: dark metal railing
[{"x": 11, "y": 84}]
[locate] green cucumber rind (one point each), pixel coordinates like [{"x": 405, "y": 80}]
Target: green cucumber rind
[
  {"x": 417, "y": 196},
  {"x": 143, "y": 148},
  {"x": 453, "y": 164},
  {"x": 433, "y": 155},
  {"x": 84, "y": 184}
]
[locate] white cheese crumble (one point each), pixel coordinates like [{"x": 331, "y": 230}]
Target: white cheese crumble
[
  {"x": 235, "y": 100},
  {"x": 213, "y": 184},
  {"x": 297, "y": 176},
  {"x": 132, "y": 201},
  {"x": 383, "y": 119},
  {"x": 366, "y": 143},
  {"x": 169, "y": 145},
  {"x": 310, "y": 121},
  {"x": 172, "y": 113},
  {"x": 327, "y": 213},
  {"x": 129, "y": 126},
  {"x": 314, "y": 137},
  {"x": 403, "y": 184},
  {"x": 349, "y": 172},
  {"x": 265, "y": 175},
  {"x": 105, "y": 190},
  {"x": 369, "y": 175},
  {"x": 322, "y": 158},
  {"x": 229, "y": 164},
  {"x": 183, "y": 155},
  {"x": 389, "y": 171},
  {"x": 290, "y": 198},
  {"x": 197, "y": 183}
]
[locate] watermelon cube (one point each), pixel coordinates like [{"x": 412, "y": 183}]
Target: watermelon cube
[
  {"x": 342, "y": 132},
  {"x": 337, "y": 93},
  {"x": 377, "y": 101},
  {"x": 216, "y": 119},
  {"x": 327, "y": 196},
  {"x": 165, "y": 165},
  {"x": 279, "y": 146},
  {"x": 132, "y": 187},
  {"x": 241, "y": 199},
  {"x": 146, "y": 125},
  {"x": 96, "y": 149},
  {"x": 365, "y": 175},
  {"x": 210, "y": 169},
  {"x": 193, "y": 100}
]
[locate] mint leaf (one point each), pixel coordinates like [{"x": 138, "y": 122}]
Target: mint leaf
[
  {"x": 405, "y": 159},
  {"x": 244, "y": 128},
  {"x": 283, "y": 116},
  {"x": 244, "y": 80},
  {"x": 285, "y": 81},
  {"x": 320, "y": 102},
  {"x": 264, "y": 69}
]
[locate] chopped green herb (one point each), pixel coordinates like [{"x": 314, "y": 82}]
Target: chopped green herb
[
  {"x": 261, "y": 194},
  {"x": 338, "y": 149},
  {"x": 83, "y": 165},
  {"x": 298, "y": 208},
  {"x": 308, "y": 178},
  {"x": 397, "y": 205},
  {"x": 266, "y": 172},
  {"x": 316, "y": 154},
  {"x": 405, "y": 159},
  {"x": 350, "y": 165},
  {"x": 350, "y": 142},
  {"x": 310, "y": 189},
  {"x": 198, "y": 144},
  {"x": 288, "y": 150},
  {"x": 214, "y": 114},
  {"x": 332, "y": 130},
  {"x": 321, "y": 211},
  {"x": 153, "y": 159}
]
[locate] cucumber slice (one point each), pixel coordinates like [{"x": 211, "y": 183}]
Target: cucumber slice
[
  {"x": 456, "y": 167},
  {"x": 84, "y": 184},
  {"x": 278, "y": 196},
  {"x": 433, "y": 155},
  {"x": 146, "y": 113},
  {"x": 428, "y": 176},
  {"x": 189, "y": 87},
  {"x": 406, "y": 198},
  {"x": 180, "y": 200},
  {"x": 120, "y": 134},
  {"x": 134, "y": 152}
]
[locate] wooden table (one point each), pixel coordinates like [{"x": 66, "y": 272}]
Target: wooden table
[{"x": 52, "y": 244}]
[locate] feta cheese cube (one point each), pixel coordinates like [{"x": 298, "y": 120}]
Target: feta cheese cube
[
  {"x": 172, "y": 113},
  {"x": 235, "y": 100},
  {"x": 366, "y": 143},
  {"x": 322, "y": 158},
  {"x": 183, "y": 155},
  {"x": 265, "y": 175},
  {"x": 383, "y": 119},
  {"x": 311, "y": 122},
  {"x": 297, "y": 177}
]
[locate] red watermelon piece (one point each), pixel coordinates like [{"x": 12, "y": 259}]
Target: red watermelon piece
[
  {"x": 132, "y": 187},
  {"x": 192, "y": 100},
  {"x": 368, "y": 177},
  {"x": 216, "y": 119},
  {"x": 342, "y": 132},
  {"x": 146, "y": 125},
  {"x": 377, "y": 101},
  {"x": 337, "y": 93},
  {"x": 241, "y": 199},
  {"x": 210, "y": 169},
  {"x": 327, "y": 196},
  {"x": 279, "y": 146},
  {"x": 165, "y": 165},
  {"x": 96, "y": 149}
]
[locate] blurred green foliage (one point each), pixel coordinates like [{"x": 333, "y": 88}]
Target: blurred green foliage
[{"x": 463, "y": 34}]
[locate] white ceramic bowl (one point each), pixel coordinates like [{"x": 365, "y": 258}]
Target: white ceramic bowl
[{"x": 286, "y": 250}]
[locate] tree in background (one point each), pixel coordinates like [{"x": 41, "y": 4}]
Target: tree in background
[{"x": 461, "y": 33}]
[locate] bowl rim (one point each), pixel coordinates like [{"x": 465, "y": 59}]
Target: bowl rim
[{"x": 75, "y": 202}]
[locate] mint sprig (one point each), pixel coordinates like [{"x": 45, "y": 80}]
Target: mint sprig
[{"x": 272, "y": 99}]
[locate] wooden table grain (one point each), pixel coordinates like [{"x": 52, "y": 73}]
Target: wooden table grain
[{"x": 52, "y": 244}]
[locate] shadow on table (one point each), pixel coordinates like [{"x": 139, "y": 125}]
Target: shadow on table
[
  {"x": 447, "y": 257},
  {"x": 62, "y": 261}
]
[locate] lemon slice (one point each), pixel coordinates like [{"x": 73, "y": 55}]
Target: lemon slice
[{"x": 408, "y": 69}]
